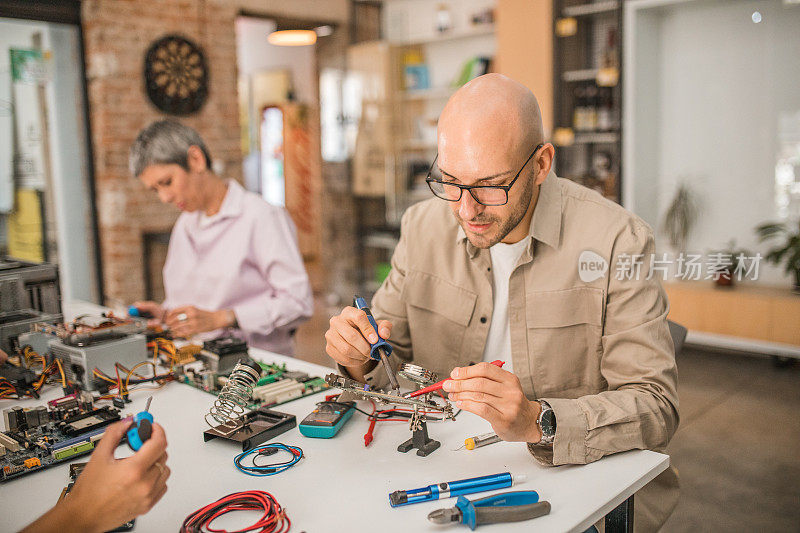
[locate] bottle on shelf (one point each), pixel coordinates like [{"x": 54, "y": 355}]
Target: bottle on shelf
[
  {"x": 444, "y": 20},
  {"x": 579, "y": 110},
  {"x": 590, "y": 109},
  {"x": 610, "y": 59},
  {"x": 605, "y": 109}
]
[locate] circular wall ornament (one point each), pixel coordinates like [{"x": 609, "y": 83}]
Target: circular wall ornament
[{"x": 176, "y": 75}]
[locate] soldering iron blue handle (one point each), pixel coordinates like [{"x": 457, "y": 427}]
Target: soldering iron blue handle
[
  {"x": 374, "y": 353},
  {"x": 479, "y": 484}
]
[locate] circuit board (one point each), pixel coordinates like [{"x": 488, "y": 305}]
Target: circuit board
[
  {"x": 276, "y": 386},
  {"x": 41, "y": 437}
]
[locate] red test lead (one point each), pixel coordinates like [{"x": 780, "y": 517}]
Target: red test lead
[{"x": 438, "y": 385}]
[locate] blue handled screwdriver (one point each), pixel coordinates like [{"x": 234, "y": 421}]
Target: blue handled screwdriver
[
  {"x": 142, "y": 428},
  {"x": 381, "y": 350}
]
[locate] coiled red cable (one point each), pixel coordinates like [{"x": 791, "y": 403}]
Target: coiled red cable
[{"x": 273, "y": 520}]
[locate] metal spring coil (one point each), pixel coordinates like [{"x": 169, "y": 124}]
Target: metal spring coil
[{"x": 234, "y": 396}]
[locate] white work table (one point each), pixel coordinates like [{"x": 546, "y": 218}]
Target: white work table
[{"x": 341, "y": 485}]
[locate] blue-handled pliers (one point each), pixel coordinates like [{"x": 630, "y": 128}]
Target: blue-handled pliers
[
  {"x": 512, "y": 506},
  {"x": 381, "y": 350}
]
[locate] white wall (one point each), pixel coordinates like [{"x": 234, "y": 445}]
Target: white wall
[
  {"x": 254, "y": 54},
  {"x": 706, "y": 94}
]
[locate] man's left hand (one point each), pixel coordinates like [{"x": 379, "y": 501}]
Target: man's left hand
[
  {"x": 189, "y": 320},
  {"x": 495, "y": 395}
]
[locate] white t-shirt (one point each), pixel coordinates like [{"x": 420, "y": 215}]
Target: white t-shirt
[{"x": 498, "y": 342}]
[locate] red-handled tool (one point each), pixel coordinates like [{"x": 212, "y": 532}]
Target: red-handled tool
[
  {"x": 368, "y": 435},
  {"x": 438, "y": 385}
]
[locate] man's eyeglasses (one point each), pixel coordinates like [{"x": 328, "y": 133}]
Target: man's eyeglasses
[{"x": 488, "y": 195}]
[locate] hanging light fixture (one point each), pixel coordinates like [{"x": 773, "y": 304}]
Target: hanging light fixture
[
  {"x": 298, "y": 33},
  {"x": 292, "y": 37}
]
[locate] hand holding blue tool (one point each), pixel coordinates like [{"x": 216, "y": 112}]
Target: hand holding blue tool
[
  {"x": 505, "y": 507},
  {"x": 381, "y": 350},
  {"x": 142, "y": 428}
]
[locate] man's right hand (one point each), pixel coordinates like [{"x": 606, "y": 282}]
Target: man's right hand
[{"x": 349, "y": 338}]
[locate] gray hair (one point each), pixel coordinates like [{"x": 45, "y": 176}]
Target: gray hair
[{"x": 165, "y": 142}]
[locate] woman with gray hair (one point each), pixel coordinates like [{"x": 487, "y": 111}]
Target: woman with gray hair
[{"x": 233, "y": 260}]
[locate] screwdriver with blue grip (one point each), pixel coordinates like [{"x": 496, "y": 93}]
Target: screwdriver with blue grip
[
  {"x": 512, "y": 506},
  {"x": 141, "y": 429},
  {"x": 381, "y": 350}
]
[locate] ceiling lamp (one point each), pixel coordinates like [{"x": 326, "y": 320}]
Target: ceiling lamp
[{"x": 292, "y": 37}]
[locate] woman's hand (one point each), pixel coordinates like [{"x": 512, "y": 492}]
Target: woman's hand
[
  {"x": 152, "y": 308},
  {"x": 189, "y": 320}
]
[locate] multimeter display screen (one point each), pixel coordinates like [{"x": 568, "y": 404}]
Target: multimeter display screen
[
  {"x": 326, "y": 415},
  {"x": 325, "y": 418}
]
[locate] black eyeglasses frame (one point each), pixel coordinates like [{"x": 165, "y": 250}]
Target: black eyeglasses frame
[{"x": 430, "y": 181}]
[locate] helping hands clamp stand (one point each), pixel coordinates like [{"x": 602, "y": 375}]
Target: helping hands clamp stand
[
  {"x": 419, "y": 437},
  {"x": 422, "y": 377}
]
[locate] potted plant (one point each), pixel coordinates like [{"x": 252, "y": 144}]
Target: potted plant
[
  {"x": 787, "y": 249},
  {"x": 681, "y": 216},
  {"x": 726, "y": 261}
]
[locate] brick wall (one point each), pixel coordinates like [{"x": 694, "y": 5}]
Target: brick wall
[{"x": 117, "y": 34}]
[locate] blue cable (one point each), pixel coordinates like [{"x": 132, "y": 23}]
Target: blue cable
[{"x": 268, "y": 449}]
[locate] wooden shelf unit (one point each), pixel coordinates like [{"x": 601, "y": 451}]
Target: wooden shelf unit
[
  {"x": 577, "y": 67},
  {"x": 770, "y": 314}
]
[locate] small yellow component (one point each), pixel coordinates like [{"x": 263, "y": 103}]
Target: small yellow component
[
  {"x": 33, "y": 461},
  {"x": 470, "y": 443}
]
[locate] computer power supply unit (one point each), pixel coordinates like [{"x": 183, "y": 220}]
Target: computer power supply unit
[{"x": 80, "y": 361}]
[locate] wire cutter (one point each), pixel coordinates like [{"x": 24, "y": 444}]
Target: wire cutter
[
  {"x": 514, "y": 506},
  {"x": 381, "y": 350}
]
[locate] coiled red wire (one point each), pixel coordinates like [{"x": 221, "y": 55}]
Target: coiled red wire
[{"x": 273, "y": 520}]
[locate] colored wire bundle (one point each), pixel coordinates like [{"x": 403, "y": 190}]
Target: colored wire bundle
[
  {"x": 263, "y": 470},
  {"x": 9, "y": 391},
  {"x": 130, "y": 377},
  {"x": 273, "y": 520}
]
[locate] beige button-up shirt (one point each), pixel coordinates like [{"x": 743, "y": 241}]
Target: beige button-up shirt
[{"x": 592, "y": 342}]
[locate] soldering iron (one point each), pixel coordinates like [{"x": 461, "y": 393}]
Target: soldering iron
[
  {"x": 381, "y": 350},
  {"x": 449, "y": 489}
]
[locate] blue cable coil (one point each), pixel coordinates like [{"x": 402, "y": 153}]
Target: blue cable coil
[{"x": 270, "y": 469}]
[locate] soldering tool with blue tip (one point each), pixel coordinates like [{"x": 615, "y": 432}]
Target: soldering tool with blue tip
[
  {"x": 381, "y": 350},
  {"x": 141, "y": 429}
]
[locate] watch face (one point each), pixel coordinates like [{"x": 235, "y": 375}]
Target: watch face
[{"x": 548, "y": 422}]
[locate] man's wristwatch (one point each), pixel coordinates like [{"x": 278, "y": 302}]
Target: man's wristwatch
[{"x": 547, "y": 424}]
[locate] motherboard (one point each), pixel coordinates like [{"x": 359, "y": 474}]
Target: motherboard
[
  {"x": 276, "y": 386},
  {"x": 40, "y": 437}
]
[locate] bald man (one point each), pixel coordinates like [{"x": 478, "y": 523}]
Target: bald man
[{"x": 489, "y": 269}]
